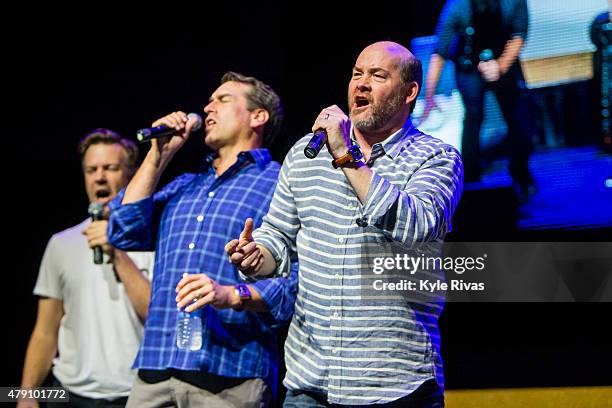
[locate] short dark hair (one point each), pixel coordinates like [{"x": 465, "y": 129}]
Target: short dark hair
[
  {"x": 411, "y": 70},
  {"x": 261, "y": 96},
  {"x": 106, "y": 136}
]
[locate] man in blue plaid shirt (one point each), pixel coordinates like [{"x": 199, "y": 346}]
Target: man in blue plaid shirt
[{"x": 188, "y": 223}]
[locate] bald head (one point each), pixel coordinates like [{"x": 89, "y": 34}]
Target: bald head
[
  {"x": 392, "y": 48},
  {"x": 383, "y": 88},
  {"x": 410, "y": 67}
]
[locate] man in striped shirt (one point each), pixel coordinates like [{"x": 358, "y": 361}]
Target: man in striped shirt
[{"x": 348, "y": 343}]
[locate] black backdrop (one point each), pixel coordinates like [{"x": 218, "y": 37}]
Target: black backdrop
[{"x": 69, "y": 70}]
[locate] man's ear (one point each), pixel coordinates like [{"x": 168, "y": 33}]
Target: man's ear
[
  {"x": 412, "y": 92},
  {"x": 259, "y": 117}
]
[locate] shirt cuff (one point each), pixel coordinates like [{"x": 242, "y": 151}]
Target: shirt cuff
[
  {"x": 128, "y": 227},
  {"x": 246, "y": 278},
  {"x": 280, "y": 253},
  {"x": 380, "y": 198},
  {"x": 274, "y": 292},
  {"x": 135, "y": 214}
]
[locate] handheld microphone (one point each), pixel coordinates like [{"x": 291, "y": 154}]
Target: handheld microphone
[
  {"x": 486, "y": 55},
  {"x": 316, "y": 143},
  {"x": 96, "y": 210},
  {"x": 146, "y": 134}
]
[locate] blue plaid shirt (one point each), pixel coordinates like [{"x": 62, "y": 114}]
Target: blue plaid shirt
[{"x": 188, "y": 224}]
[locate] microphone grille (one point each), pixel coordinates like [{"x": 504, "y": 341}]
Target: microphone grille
[
  {"x": 95, "y": 209},
  {"x": 197, "y": 119}
]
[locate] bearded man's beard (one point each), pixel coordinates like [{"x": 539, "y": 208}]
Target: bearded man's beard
[{"x": 379, "y": 115}]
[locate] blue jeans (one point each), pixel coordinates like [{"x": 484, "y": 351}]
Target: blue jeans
[
  {"x": 428, "y": 395},
  {"x": 514, "y": 104}
]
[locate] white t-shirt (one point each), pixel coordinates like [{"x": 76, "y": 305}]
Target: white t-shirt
[{"x": 100, "y": 332}]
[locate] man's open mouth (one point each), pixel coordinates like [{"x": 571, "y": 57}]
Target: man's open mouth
[
  {"x": 103, "y": 193},
  {"x": 360, "y": 102}
]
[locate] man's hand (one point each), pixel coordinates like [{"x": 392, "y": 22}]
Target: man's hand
[
  {"x": 97, "y": 236},
  {"x": 198, "y": 290},
  {"x": 243, "y": 252},
  {"x": 338, "y": 127},
  {"x": 489, "y": 70},
  {"x": 169, "y": 145},
  {"x": 162, "y": 150}
]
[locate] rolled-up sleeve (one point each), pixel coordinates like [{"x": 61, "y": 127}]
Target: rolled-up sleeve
[
  {"x": 133, "y": 226},
  {"x": 130, "y": 227},
  {"x": 420, "y": 211},
  {"x": 279, "y": 296},
  {"x": 281, "y": 224}
]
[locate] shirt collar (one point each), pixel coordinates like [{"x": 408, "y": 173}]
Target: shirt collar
[
  {"x": 261, "y": 157},
  {"x": 395, "y": 142}
]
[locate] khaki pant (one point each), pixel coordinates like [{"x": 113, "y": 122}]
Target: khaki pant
[{"x": 252, "y": 393}]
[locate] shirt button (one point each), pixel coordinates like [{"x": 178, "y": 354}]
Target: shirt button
[
  {"x": 191, "y": 246},
  {"x": 337, "y": 276},
  {"x": 335, "y": 314},
  {"x": 334, "y": 350},
  {"x": 200, "y": 218},
  {"x": 211, "y": 194},
  {"x": 341, "y": 240}
]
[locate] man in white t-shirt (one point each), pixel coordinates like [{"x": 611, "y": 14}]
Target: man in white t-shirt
[{"x": 92, "y": 314}]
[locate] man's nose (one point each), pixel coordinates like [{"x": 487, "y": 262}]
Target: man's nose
[
  {"x": 363, "y": 84},
  {"x": 209, "y": 108},
  {"x": 100, "y": 176}
]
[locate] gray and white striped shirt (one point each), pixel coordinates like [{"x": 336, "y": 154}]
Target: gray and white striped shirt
[{"x": 346, "y": 340}]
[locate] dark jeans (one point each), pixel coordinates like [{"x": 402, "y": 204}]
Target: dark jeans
[
  {"x": 514, "y": 104},
  {"x": 428, "y": 395},
  {"x": 77, "y": 401}
]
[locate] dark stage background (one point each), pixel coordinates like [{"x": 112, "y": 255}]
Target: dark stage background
[{"x": 69, "y": 73}]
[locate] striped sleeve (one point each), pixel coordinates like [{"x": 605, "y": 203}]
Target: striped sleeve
[
  {"x": 281, "y": 224},
  {"x": 421, "y": 211}
]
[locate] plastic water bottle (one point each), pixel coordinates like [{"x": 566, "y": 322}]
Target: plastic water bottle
[{"x": 189, "y": 330}]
